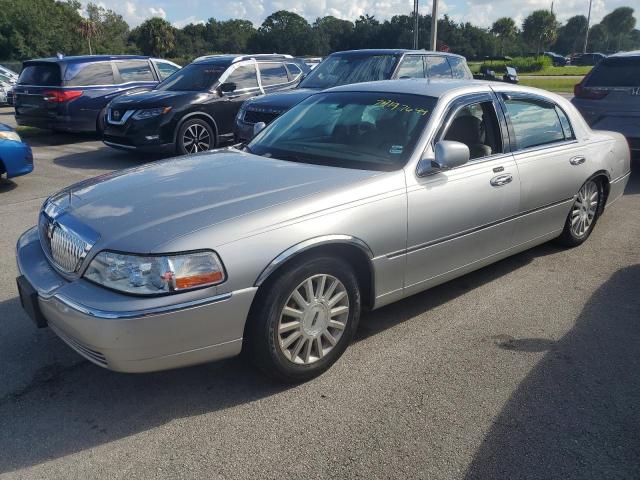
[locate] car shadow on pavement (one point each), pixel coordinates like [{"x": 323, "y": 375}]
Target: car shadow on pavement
[
  {"x": 46, "y": 138},
  {"x": 68, "y": 407},
  {"x": 6, "y": 185},
  {"x": 577, "y": 413}
]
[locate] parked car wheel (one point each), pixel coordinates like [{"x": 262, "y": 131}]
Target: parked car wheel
[
  {"x": 583, "y": 215},
  {"x": 100, "y": 121},
  {"x": 305, "y": 320},
  {"x": 194, "y": 136}
]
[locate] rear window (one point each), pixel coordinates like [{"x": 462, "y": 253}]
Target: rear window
[
  {"x": 616, "y": 72},
  {"x": 135, "y": 71},
  {"x": 438, "y": 67},
  {"x": 459, "y": 67},
  {"x": 42, "y": 75},
  {"x": 89, "y": 74}
]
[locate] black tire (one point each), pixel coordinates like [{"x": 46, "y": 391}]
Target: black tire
[
  {"x": 262, "y": 340},
  {"x": 569, "y": 237},
  {"x": 100, "y": 122},
  {"x": 195, "y": 126}
]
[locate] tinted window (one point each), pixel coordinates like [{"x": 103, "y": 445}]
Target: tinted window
[
  {"x": 345, "y": 69},
  {"x": 535, "y": 123},
  {"x": 365, "y": 130},
  {"x": 294, "y": 71},
  {"x": 411, "y": 67},
  {"x": 194, "y": 77},
  {"x": 273, "y": 74},
  {"x": 476, "y": 126},
  {"x": 44, "y": 74},
  {"x": 166, "y": 69},
  {"x": 438, "y": 67},
  {"x": 616, "y": 72},
  {"x": 459, "y": 67},
  {"x": 89, "y": 74},
  {"x": 135, "y": 71},
  {"x": 244, "y": 77}
]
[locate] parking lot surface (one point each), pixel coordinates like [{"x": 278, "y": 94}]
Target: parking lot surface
[{"x": 525, "y": 369}]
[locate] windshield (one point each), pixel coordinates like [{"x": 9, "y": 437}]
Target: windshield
[
  {"x": 193, "y": 78},
  {"x": 346, "y": 69},
  {"x": 616, "y": 72},
  {"x": 363, "y": 130}
]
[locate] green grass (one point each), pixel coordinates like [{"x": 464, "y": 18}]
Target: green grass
[
  {"x": 29, "y": 132},
  {"x": 560, "y": 71},
  {"x": 557, "y": 84}
]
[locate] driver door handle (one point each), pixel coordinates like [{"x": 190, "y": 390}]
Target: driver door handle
[
  {"x": 501, "y": 180},
  {"x": 577, "y": 160}
]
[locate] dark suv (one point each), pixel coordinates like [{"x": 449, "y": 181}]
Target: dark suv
[
  {"x": 71, "y": 93},
  {"x": 353, "y": 66},
  {"x": 194, "y": 109}
]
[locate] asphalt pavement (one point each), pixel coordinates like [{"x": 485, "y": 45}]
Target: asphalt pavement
[{"x": 525, "y": 369}]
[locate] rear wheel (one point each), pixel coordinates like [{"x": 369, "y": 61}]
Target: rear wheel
[
  {"x": 194, "y": 136},
  {"x": 305, "y": 320},
  {"x": 583, "y": 215},
  {"x": 100, "y": 122}
]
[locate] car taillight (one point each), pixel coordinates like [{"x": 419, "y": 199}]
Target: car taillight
[
  {"x": 60, "y": 96},
  {"x": 580, "y": 91}
]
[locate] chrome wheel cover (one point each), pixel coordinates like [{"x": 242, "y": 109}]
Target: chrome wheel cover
[
  {"x": 584, "y": 209},
  {"x": 196, "y": 138},
  {"x": 313, "y": 319}
]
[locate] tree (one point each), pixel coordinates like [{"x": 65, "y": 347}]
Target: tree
[
  {"x": 505, "y": 29},
  {"x": 154, "y": 37},
  {"x": 88, "y": 29},
  {"x": 284, "y": 32},
  {"x": 571, "y": 35},
  {"x": 540, "y": 29},
  {"x": 112, "y": 31},
  {"x": 617, "y": 25},
  {"x": 332, "y": 34}
]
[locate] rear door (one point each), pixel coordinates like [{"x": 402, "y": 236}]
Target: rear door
[
  {"x": 273, "y": 76},
  {"x": 224, "y": 111},
  {"x": 35, "y": 79}
]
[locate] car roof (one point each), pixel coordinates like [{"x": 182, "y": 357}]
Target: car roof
[
  {"x": 231, "y": 58},
  {"x": 392, "y": 51},
  {"x": 415, "y": 86},
  {"x": 632, "y": 53},
  {"x": 86, "y": 58}
]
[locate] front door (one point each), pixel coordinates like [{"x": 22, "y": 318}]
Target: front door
[
  {"x": 459, "y": 217},
  {"x": 224, "y": 110}
]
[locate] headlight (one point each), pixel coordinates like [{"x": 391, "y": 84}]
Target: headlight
[
  {"x": 10, "y": 135},
  {"x": 150, "y": 112},
  {"x": 156, "y": 275}
]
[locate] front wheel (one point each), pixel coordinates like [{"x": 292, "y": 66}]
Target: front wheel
[
  {"x": 305, "y": 319},
  {"x": 194, "y": 136},
  {"x": 583, "y": 215}
]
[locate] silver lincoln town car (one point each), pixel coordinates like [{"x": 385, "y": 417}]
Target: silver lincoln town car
[{"x": 357, "y": 197}]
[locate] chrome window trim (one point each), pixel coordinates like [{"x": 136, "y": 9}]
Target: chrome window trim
[
  {"x": 232, "y": 68},
  {"x": 275, "y": 84},
  {"x": 307, "y": 244},
  {"x": 115, "y": 315}
]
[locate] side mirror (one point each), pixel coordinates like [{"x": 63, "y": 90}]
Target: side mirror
[
  {"x": 227, "y": 87},
  {"x": 258, "y": 127},
  {"x": 448, "y": 155}
]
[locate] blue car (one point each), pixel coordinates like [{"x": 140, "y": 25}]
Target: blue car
[
  {"x": 70, "y": 93},
  {"x": 15, "y": 156}
]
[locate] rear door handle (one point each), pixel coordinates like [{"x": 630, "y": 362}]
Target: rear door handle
[
  {"x": 501, "y": 180},
  {"x": 577, "y": 160}
]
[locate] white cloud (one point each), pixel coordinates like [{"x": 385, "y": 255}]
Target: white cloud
[
  {"x": 157, "y": 12},
  {"x": 186, "y": 21}
]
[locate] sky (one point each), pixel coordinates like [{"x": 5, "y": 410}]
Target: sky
[{"x": 479, "y": 12}]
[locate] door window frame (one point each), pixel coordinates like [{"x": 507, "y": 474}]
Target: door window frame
[
  {"x": 275, "y": 84},
  {"x": 232, "y": 68}
]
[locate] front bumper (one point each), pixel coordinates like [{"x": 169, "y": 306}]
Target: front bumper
[
  {"x": 128, "y": 337},
  {"x": 16, "y": 157},
  {"x": 153, "y": 134}
]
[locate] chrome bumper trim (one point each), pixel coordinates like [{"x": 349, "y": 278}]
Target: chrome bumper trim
[
  {"x": 118, "y": 145},
  {"x": 111, "y": 315}
]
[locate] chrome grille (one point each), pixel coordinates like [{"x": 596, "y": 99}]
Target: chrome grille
[{"x": 65, "y": 248}]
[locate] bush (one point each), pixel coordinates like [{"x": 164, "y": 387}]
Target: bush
[{"x": 521, "y": 64}]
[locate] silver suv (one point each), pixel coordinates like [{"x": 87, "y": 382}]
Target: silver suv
[{"x": 609, "y": 96}]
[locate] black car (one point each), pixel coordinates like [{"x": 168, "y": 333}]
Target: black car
[
  {"x": 70, "y": 93},
  {"x": 588, "y": 59},
  {"x": 353, "y": 66},
  {"x": 194, "y": 109},
  {"x": 556, "y": 59}
]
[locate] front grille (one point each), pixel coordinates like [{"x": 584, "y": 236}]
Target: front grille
[
  {"x": 255, "y": 116},
  {"x": 64, "y": 247}
]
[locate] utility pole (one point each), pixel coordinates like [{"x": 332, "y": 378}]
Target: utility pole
[
  {"x": 434, "y": 26},
  {"x": 586, "y": 34},
  {"x": 415, "y": 24}
]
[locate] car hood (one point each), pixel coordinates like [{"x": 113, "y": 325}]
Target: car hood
[
  {"x": 154, "y": 98},
  {"x": 280, "y": 101},
  {"x": 138, "y": 209}
]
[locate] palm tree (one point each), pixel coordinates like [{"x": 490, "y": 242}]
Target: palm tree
[
  {"x": 87, "y": 29},
  {"x": 505, "y": 29}
]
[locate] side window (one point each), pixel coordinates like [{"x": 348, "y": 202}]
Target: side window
[
  {"x": 412, "y": 66},
  {"x": 273, "y": 74},
  {"x": 459, "y": 67},
  {"x": 438, "y": 67},
  {"x": 476, "y": 125},
  {"x": 78, "y": 74},
  {"x": 244, "y": 77},
  {"x": 566, "y": 125},
  {"x": 166, "y": 69},
  {"x": 534, "y": 122},
  {"x": 294, "y": 71},
  {"x": 135, "y": 71}
]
